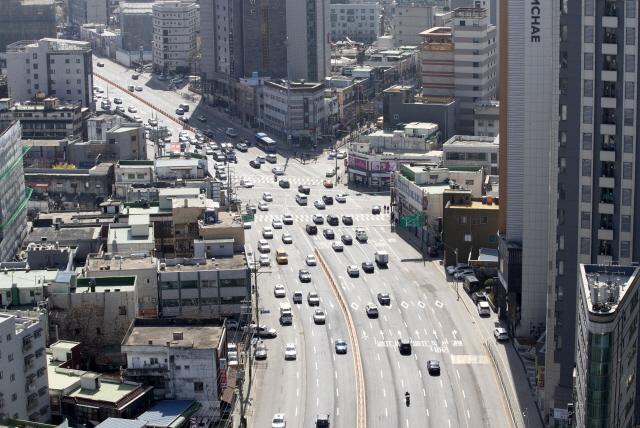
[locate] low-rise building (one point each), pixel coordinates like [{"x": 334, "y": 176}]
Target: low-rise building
[
  {"x": 182, "y": 167},
  {"x": 418, "y": 192},
  {"x": 98, "y": 399},
  {"x": 97, "y": 126},
  {"x": 129, "y": 172},
  {"x": 63, "y": 373},
  {"x": 24, "y": 368},
  {"x": 27, "y": 292},
  {"x": 45, "y": 153},
  {"x": 46, "y": 118},
  {"x": 134, "y": 237},
  {"x": 468, "y": 226},
  {"x": 486, "y": 118},
  {"x": 400, "y": 105},
  {"x": 186, "y": 213},
  {"x": 80, "y": 237},
  {"x": 607, "y": 337},
  {"x": 211, "y": 286},
  {"x": 182, "y": 361},
  {"x": 466, "y": 150},
  {"x": 145, "y": 269}
]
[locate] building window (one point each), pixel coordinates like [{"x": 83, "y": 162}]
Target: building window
[
  {"x": 14, "y": 397},
  {"x": 630, "y": 63},
  {"x": 562, "y": 165},
  {"x": 627, "y": 171},
  {"x": 560, "y": 242},
  {"x": 628, "y": 144},
  {"x": 198, "y": 387},
  {"x": 564, "y": 33},
  {"x": 493, "y": 238},
  {"x": 462, "y": 219},
  {"x": 588, "y": 34},
  {"x": 12, "y": 377},
  {"x": 560, "y": 216},
  {"x": 625, "y": 249},
  {"x": 629, "y": 90},
  {"x": 631, "y": 8},
  {"x": 584, "y": 246},
  {"x": 563, "y": 112},
  {"x": 484, "y": 220},
  {"x": 123, "y": 310},
  {"x": 586, "y": 194},
  {"x": 585, "y": 220},
  {"x": 560, "y": 265},
  {"x": 588, "y": 61},
  {"x": 467, "y": 238},
  {"x": 588, "y": 88},
  {"x": 626, "y": 197},
  {"x": 628, "y": 117},
  {"x": 587, "y": 141},
  {"x": 630, "y": 37},
  {"x": 586, "y": 167}
]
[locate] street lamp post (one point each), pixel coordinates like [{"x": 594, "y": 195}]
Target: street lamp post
[{"x": 457, "y": 292}]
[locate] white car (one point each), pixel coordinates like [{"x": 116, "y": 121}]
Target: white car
[
  {"x": 260, "y": 159},
  {"x": 331, "y": 172},
  {"x": 341, "y": 154},
  {"x": 341, "y": 197},
  {"x": 271, "y": 158},
  {"x": 267, "y": 232},
  {"x": 265, "y": 260},
  {"x": 500, "y": 333},
  {"x": 139, "y": 88},
  {"x": 311, "y": 260},
  {"x": 319, "y": 316},
  {"x": 353, "y": 270},
  {"x": 262, "y": 206},
  {"x": 263, "y": 246},
  {"x": 319, "y": 205},
  {"x": 279, "y": 421},
  {"x": 279, "y": 291},
  {"x": 183, "y": 134},
  {"x": 245, "y": 183},
  {"x": 287, "y": 219},
  {"x": 290, "y": 351},
  {"x": 333, "y": 154},
  {"x": 461, "y": 274},
  {"x": 451, "y": 270},
  {"x": 209, "y": 152},
  {"x": 137, "y": 118},
  {"x": 276, "y": 224},
  {"x": 218, "y": 166},
  {"x": 132, "y": 109},
  {"x": 100, "y": 90},
  {"x": 317, "y": 219},
  {"x": 484, "y": 308},
  {"x": 287, "y": 239},
  {"x": 277, "y": 170},
  {"x": 337, "y": 246},
  {"x": 267, "y": 197},
  {"x": 371, "y": 310}
]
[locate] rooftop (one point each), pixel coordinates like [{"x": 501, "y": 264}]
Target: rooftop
[
  {"x": 121, "y": 423},
  {"x": 105, "y": 284},
  {"x": 95, "y": 263},
  {"x": 64, "y": 344},
  {"x": 123, "y": 235},
  {"x": 57, "y": 45},
  {"x": 605, "y": 287},
  {"x": 470, "y": 140},
  {"x": 109, "y": 391},
  {"x": 237, "y": 261},
  {"x": 193, "y": 336},
  {"x": 27, "y": 278},
  {"x": 165, "y": 412},
  {"x": 61, "y": 378},
  {"x": 474, "y": 205},
  {"x": 64, "y": 234}
]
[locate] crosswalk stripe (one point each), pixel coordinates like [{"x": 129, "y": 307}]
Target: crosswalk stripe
[{"x": 469, "y": 359}]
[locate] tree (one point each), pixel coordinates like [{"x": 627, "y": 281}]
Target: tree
[
  {"x": 86, "y": 324},
  {"x": 63, "y": 165},
  {"x": 446, "y": 8},
  {"x": 194, "y": 59}
]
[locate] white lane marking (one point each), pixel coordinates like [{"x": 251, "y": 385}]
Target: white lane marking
[
  {"x": 381, "y": 375},
  {"x": 297, "y": 391},
  {"x": 338, "y": 411},
  {"x": 458, "y": 373},
  {"x": 445, "y": 403},
  {"x": 425, "y": 394},
  {"x": 384, "y": 392},
  {"x": 419, "y": 371},
  {"x": 463, "y": 396},
  {"x": 296, "y": 411},
  {"x": 441, "y": 383},
  {"x": 468, "y": 415},
  {"x": 336, "y": 373},
  {"x": 386, "y": 413},
  {"x": 337, "y": 393},
  {"x": 398, "y": 364},
  {"x": 316, "y": 366}
]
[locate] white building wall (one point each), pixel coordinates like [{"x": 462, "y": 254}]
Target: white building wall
[
  {"x": 359, "y": 22},
  {"x": 408, "y": 21},
  {"x": 179, "y": 21},
  {"x": 14, "y": 331}
]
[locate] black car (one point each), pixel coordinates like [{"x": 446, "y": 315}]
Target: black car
[
  {"x": 367, "y": 267},
  {"x": 333, "y": 220},
  {"x": 404, "y": 346},
  {"x": 304, "y": 189},
  {"x": 384, "y": 298},
  {"x": 327, "y": 199},
  {"x": 117, "y": 101},
  {"x": 134, "y": 77},
  {"x": 245, "y": 141},
  {"x": 347, "y": 220},
  {"x": 184, "y": 119},
  {"x": 328, "y": 233},
  {"x": 208, "y": 133},
  {"x": 312, "y": 229},
  {"x": 284, "y": 184},
  {"x": 433, "y": 366},
  {"x": 375, "y": 209},
  {"x": 346, "y": 239}
]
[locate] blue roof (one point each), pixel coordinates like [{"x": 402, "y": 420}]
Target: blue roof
[
  {"x": 121, "y": 423},
  {"x": 65, "y": 276},
  {"x": 488, "y": 255},
  {"x": 165, "y": 412}
]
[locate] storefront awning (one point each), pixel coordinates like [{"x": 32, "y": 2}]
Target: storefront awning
[
  {"x": 185, "y": 168},
  {"x": 355, "y": 171}
]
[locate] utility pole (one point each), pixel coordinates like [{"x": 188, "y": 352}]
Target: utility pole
[
  {"x": 288, "y": 95},
  {"x": 457, "y": 292}
]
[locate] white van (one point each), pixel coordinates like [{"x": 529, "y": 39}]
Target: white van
[{"x": 301, "y": 199}]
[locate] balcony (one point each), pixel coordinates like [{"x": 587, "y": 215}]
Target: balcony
[
  {"x": 608, "y": 156},
  {"x": 606, "y": 129},
  {"x": 27, "y": 346},
  {"x": 30, "y": 387},
  {"x": 608, "y": 100},
  {"x": 610, "y": 39},
  {"x": 609, "y": 48},
  {"x": 28, "y": 365},
  {"x": 32, "y": 405},
  {"x": 608, "y": 75},
  {"x": 605, "y": 234},
  {"x": 147, "y": 370}
]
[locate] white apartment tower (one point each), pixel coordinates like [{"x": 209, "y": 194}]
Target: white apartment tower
[
  {"x": 409, "y": 20},
  {"x": 359, "y": 22},
  {"x": 461, "y": 62},
  {"x": 174, "y": 35},
  {"x": 53, "y": 67},
  {"x": 24, "y": 385}
]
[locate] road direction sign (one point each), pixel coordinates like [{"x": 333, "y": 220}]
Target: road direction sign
[
  {"x": 411, "y": 221},
  {"x": 247, "y": 217}
]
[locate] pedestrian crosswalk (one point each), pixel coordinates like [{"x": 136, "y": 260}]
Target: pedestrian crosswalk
[
  {"x": 469, "y": 359},
  {"x": 293, "y": 180},
  {"x": 260, "y": 217}
]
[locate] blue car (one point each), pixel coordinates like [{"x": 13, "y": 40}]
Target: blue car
[{"x": 341, "y": 346}]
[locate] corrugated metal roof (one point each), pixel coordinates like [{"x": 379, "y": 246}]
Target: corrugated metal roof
[
  {"x": 165, "y": 412},
  {"x": 121, "y": 423}
]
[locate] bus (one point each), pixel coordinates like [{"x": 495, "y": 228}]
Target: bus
[{"x": 265, "y": 143}]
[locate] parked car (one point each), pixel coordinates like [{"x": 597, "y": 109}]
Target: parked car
[{"x": 500, "y": 333}]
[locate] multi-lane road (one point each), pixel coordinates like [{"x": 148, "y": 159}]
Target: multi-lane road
[{"x": 423, "y": 309}]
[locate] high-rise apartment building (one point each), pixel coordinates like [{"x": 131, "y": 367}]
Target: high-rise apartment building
[
  {"x": 359, "y": 22},
  {"x": 174, "y": 35},
  {"x": 240, "y": 41},
  {"x": 461, "y": 62},
  {"x": 26, "y": 20},
  {"x": 13, "y": 193},
  {"x": 597, "y": 181},
  {"x": 23, "y": 381},
  {"x": 88, "y": 11},
  {"x": 56, "y": 67},
  {"x": 409, "y": 20}
]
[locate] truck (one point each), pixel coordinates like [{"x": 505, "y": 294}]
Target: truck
[
  {"x": 361, "y": 235},
  {"x": 286, "y": 316},
  {"x": 381, "y": 257}
]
